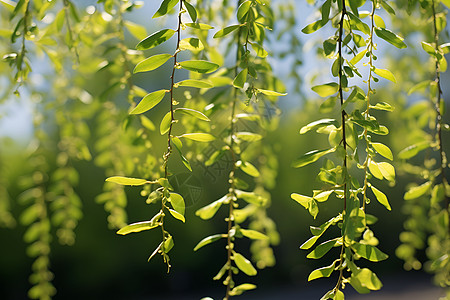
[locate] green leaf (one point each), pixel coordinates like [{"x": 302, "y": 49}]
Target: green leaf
[
  {"x": 319, "y": 124},
  {"x": 248, "y": 168},
  {"x": 166, "y": 7},
  {"x": 366, "y": 279},
  {"x": 138, "y": 31},
  {"x": 313, "y": 27},
  {"x": 309, "y": 243},
  {"x": 358, "y": 57},
  {"x": 253, "y": 234},
  {"x": 379, "y": 21},
  {"x": 126, "y": 180},
  {"x": 199, "y": 26},
  {"x": 238, "y": 290},
  {"x": 311, "y": 157},
  {"x": 151, "y": 63},
  {"x": 199, "y": 137},
  {"x": 240, "y": 79},
  {"x": 322, "y": 196},
  {"x": 387, "y": 8},
  {"x": 303, "y": 200},
  {"x": 155, "y": 39},
  {"x": 177, "y": 202},
  {"x": 200, "y": 66},
  {"x": 140, "y": 226},
  {"x": 191, "y": 44},
  {"x": 381, "y": 197},
  {"x": 322, "y": 249},
  {"x": 271, "y": 93},
  {"x": 339, "y": 295},
  {"x": 260, "y": 51},
  {"x": 382, "y": 106},
  {"x": 177, "y": 215},
  {"x": 251, "y": 197},
  {"x": 178, "y": 146},
  {"x": 390, "y": 37},
  {"x": 193, "y": 112},
  {"x": 197, "y": 83},
  {"x": 385, "y": 74},
  {"x": 327, "y": 89},
  {"x": 148, "y": 102},
  {"x": 208, "y": 240},
  {"x": 165, "y": 123},
  {"x": 244, "y": 264},
  {"x": 413, "y": 150},
  {"x": 243, "y": 10},
  {"x": 387, "y": 170},
  {"x": 147, "y": 123},
  {"x": 322, "y": 272},
  {"x": 191, "y": 10},
  {"x": 421, "y": 85},
  {"x": 248, "y": 136},
  {"x": 227, "y": 30},
  {"x": 369, "y": 252},
  {"x": 383, "y": 150},
  {"x": 429, "y": 48},
  {"x": 417, "y": 191},
  {"x": 210, "y": 210},
  {"x": 168, "y": 244}
]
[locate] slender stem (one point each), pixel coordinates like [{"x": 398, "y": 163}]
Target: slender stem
[
  {"x": 344, "y": 142},
  {"x": 438, "y": 112}
]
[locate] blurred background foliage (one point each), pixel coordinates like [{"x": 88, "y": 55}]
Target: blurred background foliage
[{"x": 65, "y": 133}]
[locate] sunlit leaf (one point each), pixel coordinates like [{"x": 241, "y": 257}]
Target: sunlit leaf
[
  {"x": 322, "y": 272},
  {"x": 166, "y": 7},
  {"x": 253, "y": 234},
  {"x": 319, "y": 124},
  {"x": 197, "y": 83},
  {"x": 177, "y": 215},
  {"x": 126, "y": 180},
  {"x": 210, "y": 210},
  {"x": 322, "y": 249},
  {"x": 417, "y": 191},
  {"x": 390, "y": 37},
  {"x": 225, "y": 31},
  {"x": 138, "y": 31},
  {"x": 165, "y": 123},
  {"x": 303, "y": 200},
  {"x": 327, "y": 89},
  {"x": 155, "y": 39},
  {"x": 413, "y": 150},
  {"x": 199, "y": 137},
  {"x": 311, "y": 157},
  {"x": 383, "y": 150},
  {"x": 193, "y": 112},
  {"x": 208, "y": 240},
  {"x": 148, "y": 102},
  {"x": 177, "y": 202},
  {"x": 152, "y": 63},
  {"x": 313, "y": 27},
  {"x": 244, "y": 264},
  {"x": 191, "y": 44},
  {"x": 248, "y": 136},
  {"x": 238, "y": 290},
  {"x": 369, "y": 252},
  {"x": 381, "y": 197},
  {"x": 240, "y": 79},
  {"x": 382, "y": 106},
  {"x": 200, "y": 66},
  {"x": 243, "y": 9},
  {"x": 141, "y": 226},
  {"x": 271, "y": 93},
  {"x": 248, "y": 168},
  {"x": 385, "y": 74},
  {"x": 199, "y": 26}
]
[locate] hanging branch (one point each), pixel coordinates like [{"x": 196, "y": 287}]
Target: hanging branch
[{"x": 171, "y": 202}]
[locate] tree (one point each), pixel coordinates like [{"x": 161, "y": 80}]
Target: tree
[{"x": 214, "y": 99}]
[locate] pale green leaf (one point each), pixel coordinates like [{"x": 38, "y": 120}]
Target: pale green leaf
[
  {"x": 382, "y": 106},
  {"x": 251, "y": 197},
  {"x": 210, "y": 210},
  {"x": 165, "y": 123},
  {"x": 303, "y": 200},
  {"x": 193, "y": 112},
  {"x": 165, "y": 8},
  {"x": 369, "y": 252},
  {"x": 238, "y": 290},
  {"x": 327, "y": 89},
  {"x": 309, "y": 243},
  {"x": 177, "y": 215},
  {"x": 155, "y": 39},
  {"x": 385, "y": 74},
  {"x": 381, "y": 197},
  {"x": 191, "y": 44},
  {"x": 177, "y": 202},
  {"x": 200, "y": 66},
  {"x": 197, "y": 83},
  {"x": 417, "y": 191},
  {"x": 208, "y": 240},
  {"x": 387, "y": 170},
  {"x": 148, "y": 102},
  {"x": 199, "y": 137},
  {"x": 152, "y": 63},
  {"x": 390, "y": 37},
  {"x": 322, "y": 272},
  {"x": 248, "y": 136},
  {"x": 311, "y": 157},
  {"x": 126, "y": 180},
  {"x": 260, "y": 51},
  {"x": 248, "y": 168},
  {"x": 383, "y": 150},
  {"x": 429, "y": 48},
  {"x": 319, "y": 124},
  {"x": 140, "y": 226},
  {"x": 413, "y": 150},
  {"x": 244, "y": 264},
  {"x": 199, "y": 26},
  {"x": 138, "y": 31},
  {"x": 313, "y": 27},
  {"x": 322, "y": 196},
  {"x": 419, "y": 86},
  {"x": 253, "y": 234},
  {"x": 271, "y": 93}
]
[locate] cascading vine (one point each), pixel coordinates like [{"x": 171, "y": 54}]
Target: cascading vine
[
  {"x": 248, "y": 33},
  {"x": 171, "y": 202},
  {"x": 356, "y": 240},
  {"x": 427, "y": 204}
]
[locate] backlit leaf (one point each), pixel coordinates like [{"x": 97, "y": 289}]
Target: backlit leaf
[
  {"x": 199, "y": 26},
  {"x": 248, "y": 136},
  {"x": 260, "y": 51},
  {"x": 177, "y": 215},
  {"x": 177, "y": 202},
  {"x": 369, "y": 252},
  {"x": 225, "y": 31},
  {"x": 322, "y": 249},
  {"x": 191, "y": 44},
  {"x": 271, "y": 93},
  {"x": 417, "y": 191},
  {"x": 166, "y": 7},
  {"x": 238, "y": 290},
  {"x": 413, "y": 150},
  {"x": 199, "y": 137},
  {"x": 244, "y": 264},
  {"x": 240, "y": 79},
  {"x": 210, "y": 210},
  {"x": 390, "y": 37},
  {"x": 319, "y": 124},
  {"x": 243, "y": 9},
  {"x": 155, "y": 39},
  {"x": 381, "y": 197},
  {"x": 148, "y": 102},
  {"x": 313, "y": 27},
  {"x": 327, "y": 89},
  {"x": 197, "y": 83},
  {"x": 253, "y": 234},
  {"x": 248, "y": 168},
  {"x": 165, "y": 123},
  {"x": 193, "y": 112},
  {"x": 382, "y": 106},
  {"x": 322, "y": 272},
  {"x": 140, "y": 226},
  {"x": 126, "y": 180},
  {"x": 311, "y": 157},
  {"x": 303, "y": 200},
  {"x": 385, "y": 74},
  {"x": 209, "y": 240},
  {"x": 151, "y": 63},
  {"x": 200, "y": 66},
  {"x": 383, "y": 150},
  {"x": 138, "y": 31}
]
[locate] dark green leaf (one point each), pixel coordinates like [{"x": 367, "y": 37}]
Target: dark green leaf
[
  {"x": 322, "y": 272},
  {"x": 369, "y": 252},
  {"x": 225, "y": 31},
  {"x": 155, "y": 39},
  {"x": 166, "y": 7},
  {"x": 390, "y": 37},
  {"x": 322, "y": 249},
  {"x": 191, "y": 10}
]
